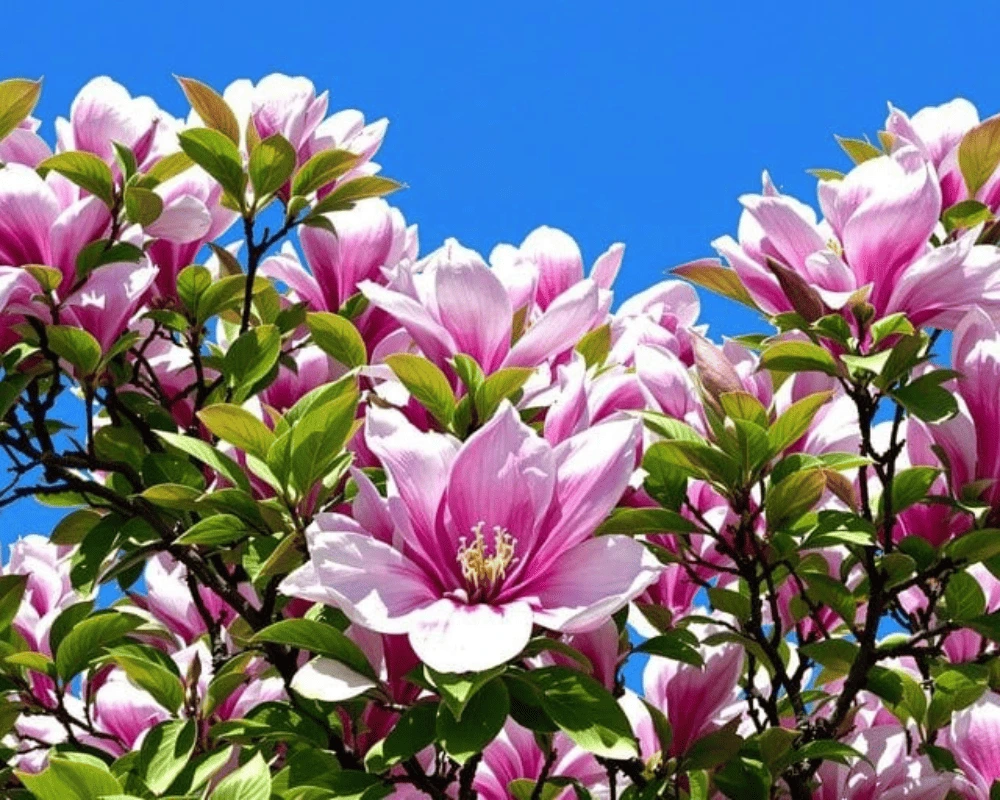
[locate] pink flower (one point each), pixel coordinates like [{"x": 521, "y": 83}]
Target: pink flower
[
  {"x": 23, "y": 145},
  {"x": 48, "y": 592},
  {"x": 898, "y": 773},
  {"x": 547, "y": 264},
  {"x": 279, "y": 104},
  {"x": 314, "y": 368},
  {"x": 937, "y": 132},
  {"x": 108, "y": 300},
  {"x": 661, "y": 316},
  {"x": 875, "y": 236},
  {"x": 974, "y": 740},
  {"x": 40, "y": 225},
  {"x": 104, "y": 112},
  {"x": 168, "y": 598},
  {"x": 452, "y": 302},
  {"x": 479, "y": 542},
  {"x": 695, "y": 700},
  {"x": 515, "y": 755},
  {"x": 192, "y": 216},
  {"x": 371, "y": 240},
  {"x": 969, "y": 441}
]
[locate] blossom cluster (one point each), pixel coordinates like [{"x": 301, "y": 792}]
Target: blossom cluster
[{"x": 388, "y": 521}]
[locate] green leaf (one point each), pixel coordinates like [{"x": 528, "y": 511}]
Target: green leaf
[
  {"x": 904, "y": 355},
  {"x": 426, "y": 383},
  {"x": 236, "y": 425},
  {"x": 675, "y": 645},
  {"x": 829, "y": 750},
  {"x": 823, "y": 174},
  {"x": 317, "y": 440},
  {"x": 216, "y": 153},
  {"x": 585, "y": 711},
  {"x": 252, "y": 781},
  {"x": 88, "y": 639},
  {"x": 498, "y": 387},
  {"x": 926, "y": 399},
  {"x": 595, "y": 346},
  {"x": 635, "y": 521},
  {"x": 975, "y": 546},
  {"x": 730, "y": 602},
  {"x": 18, "y": 98},
  {"x": 85, "y": 170},
  {"x": 211, "y": 107},
  {"x": 209, "y": 455},
  {"x": 964, "y": 215},
  {"x": 347, "y": 194},
  {"x": 252, "y": 356},
  {"x": 142, "y": 206},
  {"x": 716, "y": 278},
  {"x": 414, "y": 731},
  {"x": 911, "y": 486},
  {"x": 68, "y": 778},
  {"x": 77, "y": 346},
  {"x": 318, "y": 638},
  {"x": 456, "y": 689},
  {"x": 858, "y": 150},
  {"x": 744, "y": 778},
  {"x": 979, "y": 154},
  {"x": 794, "y": 496},
  {"x": 97, "y": 254},
  {"x": 322, "y": 169},
  {"x": 836, "y": 655},
  {"x": 798, "y": 357},
  {"x": 744, "y": 406},
  {"x": 271, "y": 164},
  {"x": 482, "y": 721},
  {"x": 170, "y": 166},
  {"x": 963, "y": 597},
  {"x": 795, "y": 421},
  {"x": 149, "y": 669},
  {"x": 215, "y": 531},
  {"x": 714, "y": 749},
  {"x": 11, "y": 591},
  {"x": 165, "y": 752},
  {"x": 338, "y": 338}
]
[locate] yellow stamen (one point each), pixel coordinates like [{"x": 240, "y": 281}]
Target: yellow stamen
[
  {"x": 835, "y": 246},
  {"x": 480, "y": 570}
]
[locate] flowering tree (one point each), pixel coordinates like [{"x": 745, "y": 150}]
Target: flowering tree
[{"x": 383, "y": 523}]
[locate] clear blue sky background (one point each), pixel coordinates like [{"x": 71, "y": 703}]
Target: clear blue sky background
[{"x": 626, "y": 121}]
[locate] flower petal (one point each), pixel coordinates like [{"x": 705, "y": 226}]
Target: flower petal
[
  {"x": 590, "y": 582},
  {"x": 454, "y": 637}
]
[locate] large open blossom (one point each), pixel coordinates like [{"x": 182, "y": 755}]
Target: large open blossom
[{"x": 479, "y": 542}]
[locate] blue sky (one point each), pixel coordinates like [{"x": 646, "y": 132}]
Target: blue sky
[{"x": 634, "y": 122}]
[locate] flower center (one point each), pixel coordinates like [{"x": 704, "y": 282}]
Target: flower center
[
  {"x": 835, "y": 246},
  {"x": 483, "y": 571}
]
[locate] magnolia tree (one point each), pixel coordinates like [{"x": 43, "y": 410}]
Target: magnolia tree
[{"x": 375, "y": 523}]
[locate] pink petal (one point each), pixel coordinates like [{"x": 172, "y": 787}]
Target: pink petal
[
  {"x": 431, "y": 337},
  {"x": 286, "y": 268},
  {"x": 559, "y": 328},
  {"x": 371, "y": 582},
  {"x": 503, "y": 477},
  {"x": 592, "y": 471},
  {"x": 418, "y": 465},
  {"x": 559, "y": 262},
  {"x": 454, "y": 637},
  {"x": 28, "y": 209},
  {"x": 183, "y": 220},
  {"x": 473, "y": 305},
  {"x": 590, "y": 582},
  {"x": 605, "y": 269}
]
